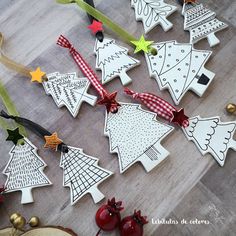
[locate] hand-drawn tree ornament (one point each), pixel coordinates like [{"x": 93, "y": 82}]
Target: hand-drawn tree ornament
[
  {"x": 68, "y": 90},
  {"x": 135, "y": 135},
  {"x": 153, "y": 13},
  {"x": 201, "y": 23},
  {"x": 212, "y": 136},
  {"x": 114, "y": 61},
  {"x": 179, "y": 67},
  {"x": 82, "y": 174},
  {"x": 25, "y": 171}
]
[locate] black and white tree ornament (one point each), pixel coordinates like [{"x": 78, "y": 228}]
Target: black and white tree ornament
[
  {"x": 69, "y": 90},
  {"x": 135, "y": 135},
  {"x": 210, "y": 135},
  {"x": 114, "y": 61},
  {"x": 202, "y": 23},
  {"x": 153, "y": 13},
  {"x": 179, "y": 67},
  {"x": 24, "y": 171},
  {"x": 82, "y": 174}
]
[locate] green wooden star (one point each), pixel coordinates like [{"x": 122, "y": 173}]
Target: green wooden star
[
  {"x": 142, "y": 45},
  {"x": 14, "y": 135}
]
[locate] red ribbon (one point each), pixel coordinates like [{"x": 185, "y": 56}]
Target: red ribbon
[
  {"x": 107, "y": 99},
  {"x": 161, "y": 107}
]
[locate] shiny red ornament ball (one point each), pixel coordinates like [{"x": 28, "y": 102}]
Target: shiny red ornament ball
[
  {"x": 108, "y": 216},
  {"x": 133, "y": 225}
]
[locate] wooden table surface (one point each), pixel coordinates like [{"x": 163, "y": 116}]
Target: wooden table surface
[{"x": 31, "y": 29}]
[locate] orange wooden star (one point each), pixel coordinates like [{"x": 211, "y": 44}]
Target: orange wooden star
[
  {"x": 37, "y": 75},
  {"x": 190, "y": 1},
  {"x": 96, "y": 26},
  {"x": 52, "y": 141}
]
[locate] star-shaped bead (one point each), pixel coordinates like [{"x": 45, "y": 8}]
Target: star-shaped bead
[
  {"x": 52, "y": 141},
  {"x": 180, "y": 118},
  {"x": 109, "y": 100},
  {"x": 14, "y": 135},
  {"x": 142, "y": 45},
  {"x": 190, "y": 1},
  {"x": 37, "y": 75},
  {"x": 96, "y": 26}
]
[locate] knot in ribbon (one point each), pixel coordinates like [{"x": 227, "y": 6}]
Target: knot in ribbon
[
  {"x": 161, "y": 107},
  {"x": 65, "y": 43},
  {"x": 132, "y": 93}
]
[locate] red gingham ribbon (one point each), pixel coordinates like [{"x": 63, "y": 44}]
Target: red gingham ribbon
[
  {"x": 107, "y": 99},
  {"x": 160, "y": 107}
]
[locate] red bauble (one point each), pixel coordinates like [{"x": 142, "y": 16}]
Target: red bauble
[
  {"x": 133, "y": 225},
  {"x": 108, "y": 216}
]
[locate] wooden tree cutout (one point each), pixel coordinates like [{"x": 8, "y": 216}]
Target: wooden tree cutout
[
  {"x": 153, "y": 13},
  {"x": 25, "y": 171},
  {"x": 212, "y": 136},
  {"x": 69, "y": 90},
  {"x": 135, "y": 135},
  {"x": 82, "y": 174},
  {"x": 114, "y": 61},
  {"x": 201, "y": 23},
  {"x": 179, "y": 68}
]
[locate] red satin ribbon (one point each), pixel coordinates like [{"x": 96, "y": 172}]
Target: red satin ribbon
[
  {"x": 161, "y": 107},
  {"x": 107, "y": 99}
]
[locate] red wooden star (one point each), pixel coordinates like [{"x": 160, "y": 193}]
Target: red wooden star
[
  {"x": 109, "y": 100},
  {"x": 180, "y": 118},
  {"x": 96, "y": 26}
]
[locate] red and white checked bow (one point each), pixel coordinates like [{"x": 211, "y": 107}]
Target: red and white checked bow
[
  {"x": 161, "y": 107},
  {"x": 107, "y": 99}
]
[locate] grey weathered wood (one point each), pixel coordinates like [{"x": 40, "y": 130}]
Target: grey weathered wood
[{"x": 31, "y": 29}]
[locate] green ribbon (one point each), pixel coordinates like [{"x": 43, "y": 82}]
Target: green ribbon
[
  {"x": 106, "y": 21},
  {"x": 8, "y": 103}
]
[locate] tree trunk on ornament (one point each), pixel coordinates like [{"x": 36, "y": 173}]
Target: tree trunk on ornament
[{"x": 27, "y": 196}]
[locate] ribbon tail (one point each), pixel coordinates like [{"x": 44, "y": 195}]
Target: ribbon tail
[{"x": 8, "y": 103}]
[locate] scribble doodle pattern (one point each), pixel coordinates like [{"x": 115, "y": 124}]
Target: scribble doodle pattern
[
  {"x": 212, "y": 136},
  {"x": 81, "y": 173},
  {"x": 113, "y": 60},
  {"x": 153, "y": 13},
  {"x": 177, "y": 67},
  {"x": 201, "y": 23},
  {"x": 25, "y": 169},
  {"x": 69, "y": 90},
  {"x": 135, "y": 135}
]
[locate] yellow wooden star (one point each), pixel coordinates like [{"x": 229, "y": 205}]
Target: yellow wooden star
[
  {"x": 37, "y": 75},
  {"x": 142, "y": 45},
  {"x": 52, "y": 141}
]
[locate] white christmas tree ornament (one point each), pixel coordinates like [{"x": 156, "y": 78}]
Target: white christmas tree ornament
[
  {"x": 179, "y": 68},
  {"x": 82, "y": 174},
  {"x": 212, "y": 136},
  {"x": 114, "y": 61},
  {"x": 135, "y": 135},
  {"x": 201, "y": 23},
  {"x": 25, "y": 171},
  {"x": 153, "y": 13},
  {"x": 69, "y": 90}
]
